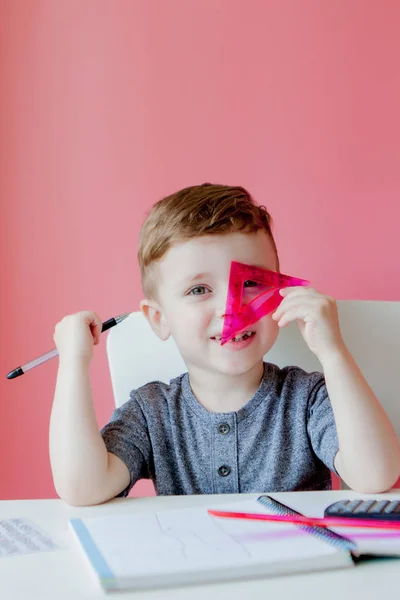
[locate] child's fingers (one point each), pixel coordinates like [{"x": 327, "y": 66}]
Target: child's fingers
[
  {"x": 298, "y": 290},
  {"x": 301, "y": 304},
  {"x": 96, "y": 331},
  {"x": 98, "y": 327},
  {"x": 291, "y": 315},
  {"x": 95, "y": 324}
]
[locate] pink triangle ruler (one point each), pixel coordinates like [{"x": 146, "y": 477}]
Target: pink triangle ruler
[{"x": 245, "y": 306}]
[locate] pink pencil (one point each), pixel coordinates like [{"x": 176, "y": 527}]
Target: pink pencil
[{"x": 311, "y": 521}]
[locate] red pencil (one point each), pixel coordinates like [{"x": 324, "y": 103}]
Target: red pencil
[{"x": 311, "y": 521}]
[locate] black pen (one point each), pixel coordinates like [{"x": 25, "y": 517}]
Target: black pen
[{"x": 45, "y": 357}]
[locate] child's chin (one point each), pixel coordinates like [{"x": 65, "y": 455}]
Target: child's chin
[{"x": 236, "y": 365}]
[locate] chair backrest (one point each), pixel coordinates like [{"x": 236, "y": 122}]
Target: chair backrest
[{"x": 371, "y": 330}]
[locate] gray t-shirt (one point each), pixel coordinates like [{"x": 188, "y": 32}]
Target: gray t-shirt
[{"x": 283, "y": 439}]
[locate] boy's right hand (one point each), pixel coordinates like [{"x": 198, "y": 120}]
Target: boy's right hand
[{"x": 75, "y": 335}]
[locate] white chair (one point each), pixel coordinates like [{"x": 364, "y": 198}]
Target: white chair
[{"x": 371, "y": 330}]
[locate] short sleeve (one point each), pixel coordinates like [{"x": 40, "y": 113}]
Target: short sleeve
[
  {"x": 321, "y": 426},
  {"x": 126, "y": 435}
]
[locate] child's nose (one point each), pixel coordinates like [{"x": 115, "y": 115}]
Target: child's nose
[
  {"x": 220, "y": 303},
  {"x": 220, "y": 311}
]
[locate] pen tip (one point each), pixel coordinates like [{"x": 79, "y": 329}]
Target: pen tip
[
  {"x": 122, "y": 317},
  {"x": 15, "y": 373}
]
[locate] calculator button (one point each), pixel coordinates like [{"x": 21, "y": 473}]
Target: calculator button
[
  {"x": 378, "y": 507},
  {"x": 351, "y": 506},
  {"x": 392, "y": 507},
  {"x": 339, "y": 507},
  {"x": 367, "y": 504},
  {"x": 371, "y": 507},
  {"x": 361, "y": 508}
]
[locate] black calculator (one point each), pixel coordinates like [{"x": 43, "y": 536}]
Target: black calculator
[{"x": 384, "y": 510}]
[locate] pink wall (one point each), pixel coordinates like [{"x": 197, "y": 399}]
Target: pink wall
[{"x": 106, "y": 106}]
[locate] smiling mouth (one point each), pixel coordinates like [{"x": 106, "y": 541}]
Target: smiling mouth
[{"x": 244, "y": 335}]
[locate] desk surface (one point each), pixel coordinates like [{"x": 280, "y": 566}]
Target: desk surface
[{"x": 64, "y": 575}]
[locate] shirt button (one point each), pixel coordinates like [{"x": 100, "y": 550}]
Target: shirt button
[
  {"x": 224, "y": 470},
  {"x": 224, "y": 428}
]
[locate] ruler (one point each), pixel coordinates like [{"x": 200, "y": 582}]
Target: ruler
[{"x": 247, "y": 304}]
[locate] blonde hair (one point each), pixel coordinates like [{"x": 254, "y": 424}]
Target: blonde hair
[{"x": 193, "y": 212}]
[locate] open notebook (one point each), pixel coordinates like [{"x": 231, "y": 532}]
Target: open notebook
[{"x": 187, "y": 546}]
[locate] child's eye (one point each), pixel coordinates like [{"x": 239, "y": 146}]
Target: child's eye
[
  {"x": 198, "y": 290},
  {"x": 250, "y": 283}
]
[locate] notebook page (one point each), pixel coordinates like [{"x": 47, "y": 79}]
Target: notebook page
[{"x": 190, "y": 540}]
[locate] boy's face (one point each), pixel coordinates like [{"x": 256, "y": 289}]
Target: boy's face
[{"x": 192, "y": 291}]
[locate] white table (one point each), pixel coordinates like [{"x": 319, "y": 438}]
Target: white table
[{"x": 64, "y": 574}]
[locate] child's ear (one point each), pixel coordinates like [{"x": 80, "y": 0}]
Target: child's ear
[{"x": 155, "y": 316}]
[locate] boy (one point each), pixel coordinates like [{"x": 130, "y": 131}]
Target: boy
[{"x": 232, "y": 423}]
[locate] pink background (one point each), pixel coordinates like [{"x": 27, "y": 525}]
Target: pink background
[{"x": 105, "y": 106}]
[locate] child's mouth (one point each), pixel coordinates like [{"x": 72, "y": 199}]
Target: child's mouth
[{"x": 241, "y": 340}]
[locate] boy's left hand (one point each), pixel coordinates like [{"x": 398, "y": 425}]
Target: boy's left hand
[{"x": 317, "y": 317}]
